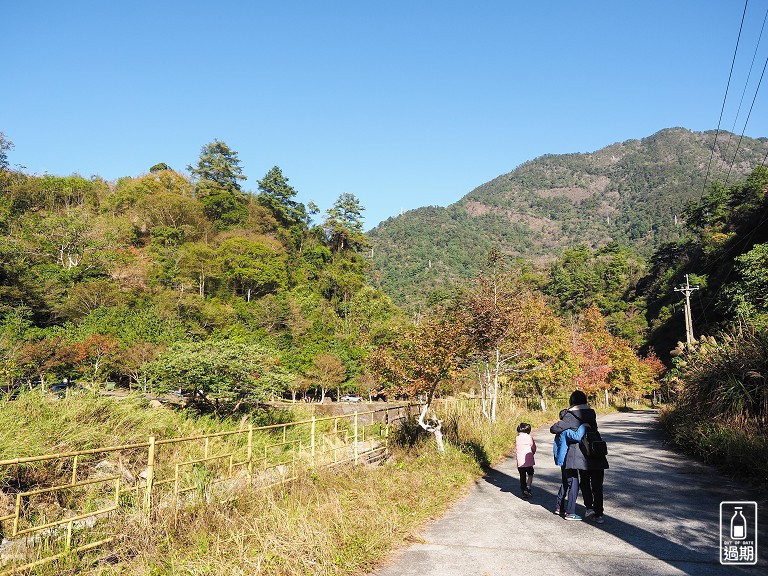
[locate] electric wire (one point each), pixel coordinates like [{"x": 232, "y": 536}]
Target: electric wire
[
  {"x": 733, "y": 160},
  {"x": 746, "y": 85},
  {"x": 744, "y": 241},
  {"x": 725, "y": 98}
]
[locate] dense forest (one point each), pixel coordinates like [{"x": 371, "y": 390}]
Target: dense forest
[
  {"x": 186, "y": 281},
  {"x": 168, "y": 281}
]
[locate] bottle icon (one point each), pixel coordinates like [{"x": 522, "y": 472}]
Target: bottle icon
[{"x": 738, "y": 525}]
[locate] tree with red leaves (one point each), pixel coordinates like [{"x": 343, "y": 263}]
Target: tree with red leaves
[
  {"x": 511, "y": 331},
  {"x": 421, "y": 358},
  {"x": 95, "y": 351}
]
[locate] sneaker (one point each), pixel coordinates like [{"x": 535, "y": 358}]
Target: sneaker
[
  {"x": 527, "y": 494},
  {"x": 572, "y": 517},
  {"x": 599, "y": 520},
  {"x": 589, "y": 513},
  {"x": 557, "y": 511}
]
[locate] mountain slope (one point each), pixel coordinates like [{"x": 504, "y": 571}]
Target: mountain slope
[{"x": 630, "y": 192}]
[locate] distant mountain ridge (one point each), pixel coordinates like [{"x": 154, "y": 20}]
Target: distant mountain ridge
[{"x": 631, "y": 192}]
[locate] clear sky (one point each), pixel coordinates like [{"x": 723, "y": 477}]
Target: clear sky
[{"x": 401, "y": 103}]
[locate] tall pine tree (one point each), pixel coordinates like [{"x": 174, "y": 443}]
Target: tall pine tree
[{"x": 217, "y": 175}]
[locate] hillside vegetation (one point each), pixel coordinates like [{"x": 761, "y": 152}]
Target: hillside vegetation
[
  {"x": 632, "y": 192},
  {"x": 167, "y": 281},
  {"x": 164, "y": 282},
  {"x": 720, "y": 382}
]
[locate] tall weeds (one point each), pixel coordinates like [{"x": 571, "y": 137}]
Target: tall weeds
[{"x": 720, "y": 411}]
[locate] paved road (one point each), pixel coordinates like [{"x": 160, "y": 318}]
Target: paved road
[{"x": 662, "y": 517}]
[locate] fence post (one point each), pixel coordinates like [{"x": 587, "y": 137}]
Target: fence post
[
  {"x": 250, "y": 453},
  {"x": 386, "y": 432},
  {"x": 74, "y": 470},
  {"x": 150, "y": 476},
  {"x": 355, "y": 451},
  {"x": 16, "y": 515},
  {"x": 312, "y": 440}
]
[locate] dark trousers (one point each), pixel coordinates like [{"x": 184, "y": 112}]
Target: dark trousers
[
  {"x": 592, "y": 489},
  {"x": 569, "y": 490},
  {"x": 526, "y": 477}
]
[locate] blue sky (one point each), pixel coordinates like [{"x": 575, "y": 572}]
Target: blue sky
[{"x": 401, "y": 103}]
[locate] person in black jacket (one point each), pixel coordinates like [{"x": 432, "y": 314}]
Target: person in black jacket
[{"x": 591, "y": 470}]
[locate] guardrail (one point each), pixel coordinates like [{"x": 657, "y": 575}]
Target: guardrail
[{"x": 48, "y": 523}]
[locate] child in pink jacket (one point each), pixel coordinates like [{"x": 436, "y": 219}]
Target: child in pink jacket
[{"x": 525, "y": 448}]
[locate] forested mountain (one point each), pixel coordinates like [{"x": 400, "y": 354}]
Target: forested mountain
[
  {"x": 631, "y": 192},
  {"x": 164, "y": 282}
]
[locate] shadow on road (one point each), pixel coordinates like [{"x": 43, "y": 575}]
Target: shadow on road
[
  {"x": 658, "y": 501},
  {"x": 646, "y": 542}
]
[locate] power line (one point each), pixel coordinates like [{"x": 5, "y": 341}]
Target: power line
[
  {"x": 745, "y": 122},
  {"x": 744, "y": 241},
  {"x": 746, "y": 85},
  {"x": 725, "y": 97}
]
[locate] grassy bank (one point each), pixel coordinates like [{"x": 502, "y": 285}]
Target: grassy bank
[
  {"x": 736, "y": 447},
  {"x": 329, "y": 522},
  {"x": 720, "y": 412}
]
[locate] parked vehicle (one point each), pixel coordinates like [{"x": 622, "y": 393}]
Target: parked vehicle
[
  {"x": 60, "y": 388},
  {"x": 350, "y": 398}
]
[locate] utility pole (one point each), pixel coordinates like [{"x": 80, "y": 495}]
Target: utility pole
[{"x": 687, "y": 289}]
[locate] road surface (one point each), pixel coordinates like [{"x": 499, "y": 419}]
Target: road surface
[{"x": 662, "y": 516}]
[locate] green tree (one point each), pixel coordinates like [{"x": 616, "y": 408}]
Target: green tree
[
  {"x": 5, "y": 146},
  {"x": 160, "y": 166},
  {"x": 219, "y": 167},
  {"x": 217, "y": 175},
  {"x": 132, "y": 191},
  {"x": 606, "y": 278},
  {"x": 253, "y": 268},
  {"x": 198, "y": 261},
  {"x": 749, "y": 295},
  {"x": 215, "y": 370},
  {"x": 276, "y": 195},
  {"x": 344, "y": 224}
]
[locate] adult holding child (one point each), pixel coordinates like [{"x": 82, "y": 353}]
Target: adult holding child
[{"x": 589, "y": 467}]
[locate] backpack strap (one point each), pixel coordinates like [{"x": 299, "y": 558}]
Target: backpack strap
[{"x": 576, "y": 416}]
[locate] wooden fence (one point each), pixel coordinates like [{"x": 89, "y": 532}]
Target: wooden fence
[{"x": 40, "y": 524}]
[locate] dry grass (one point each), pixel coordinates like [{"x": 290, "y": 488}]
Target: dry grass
[
  {"x": 327, "y": 522},
  {"x": 324, "y": 524},
  {"x": 721, "y": 407}
]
